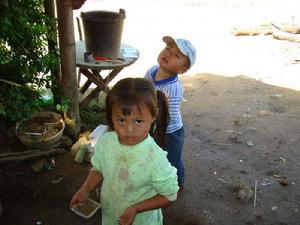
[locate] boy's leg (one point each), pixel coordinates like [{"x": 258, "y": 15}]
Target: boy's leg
[{"x": 174, "y": 145}]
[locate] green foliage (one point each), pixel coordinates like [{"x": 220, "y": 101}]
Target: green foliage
[
  {"x": 94, "y": 114},
  {"x": 64, "y": 105},
  {"x": 25, "y": 61},
  {"x": 91, "y": 117}
]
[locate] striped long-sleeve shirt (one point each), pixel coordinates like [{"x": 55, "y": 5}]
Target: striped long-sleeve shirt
[{"x": 173, "y": 89}]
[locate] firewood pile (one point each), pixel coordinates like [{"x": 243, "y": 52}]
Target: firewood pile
[{"x": 288, "y": 32}]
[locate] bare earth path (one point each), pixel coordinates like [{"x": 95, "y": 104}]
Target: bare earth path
[{"x": 238, "y": 131}]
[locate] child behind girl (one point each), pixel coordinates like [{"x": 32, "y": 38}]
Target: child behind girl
[
  {"x": 176, "y": 58},
  {"x": 137, "y": 178}
]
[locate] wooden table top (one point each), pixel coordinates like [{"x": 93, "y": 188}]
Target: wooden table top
[{"x": 118, "y": 63}]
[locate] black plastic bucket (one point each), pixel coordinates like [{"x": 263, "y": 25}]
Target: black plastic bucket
[{"x": 103, "y": 32}]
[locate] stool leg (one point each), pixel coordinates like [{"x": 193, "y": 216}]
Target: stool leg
[{"x": 78, "y": 78}]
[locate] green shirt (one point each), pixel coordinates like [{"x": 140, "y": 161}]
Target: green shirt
[{"x": 132, "y": 174}]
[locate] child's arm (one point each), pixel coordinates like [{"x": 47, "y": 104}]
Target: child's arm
[
  {"x": 93, "y": 179},
  {"x": 158, "y": 201}
]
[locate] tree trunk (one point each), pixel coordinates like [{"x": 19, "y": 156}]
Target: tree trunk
[{"x": 68, "y": 65}]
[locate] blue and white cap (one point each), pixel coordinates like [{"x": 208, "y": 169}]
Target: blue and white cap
[{"x": 184, "y": 46}]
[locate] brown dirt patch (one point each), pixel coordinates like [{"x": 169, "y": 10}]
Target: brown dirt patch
[{"x": 238, "y": 131}]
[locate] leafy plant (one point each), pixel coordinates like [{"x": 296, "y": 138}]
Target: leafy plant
[
  {"x": 25, "y": 61},
  {"x": 64, "y": 105}
]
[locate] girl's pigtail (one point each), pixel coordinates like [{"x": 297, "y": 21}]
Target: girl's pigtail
[{"x": 159, "y": 127}]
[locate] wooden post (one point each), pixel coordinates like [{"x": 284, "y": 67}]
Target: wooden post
[{"x": 68, "y": 65}]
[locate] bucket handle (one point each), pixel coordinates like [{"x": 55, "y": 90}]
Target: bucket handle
[{"x": 122, "y": 12}]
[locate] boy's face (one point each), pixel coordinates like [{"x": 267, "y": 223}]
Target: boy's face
[{"x": 172, "y": 60}]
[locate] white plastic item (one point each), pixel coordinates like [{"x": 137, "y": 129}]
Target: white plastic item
[
  {"x": 96, "y": 134},
  {"x": 87, "y": 209}
]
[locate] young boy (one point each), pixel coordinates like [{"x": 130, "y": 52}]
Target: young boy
[{"x": 177, "y": 57}]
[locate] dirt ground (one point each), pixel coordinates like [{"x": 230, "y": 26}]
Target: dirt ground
[
  {"x": 242, "y": 141},
  {"x": 239, "y": 132}
]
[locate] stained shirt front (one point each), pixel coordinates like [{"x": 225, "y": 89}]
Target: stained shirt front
[{"x": 132, "y": 174}]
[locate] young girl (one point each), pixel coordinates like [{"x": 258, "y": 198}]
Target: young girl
[{"x": 137, "y": 179}]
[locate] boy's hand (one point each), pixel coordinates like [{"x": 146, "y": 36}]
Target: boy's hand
[{"x": 128, "y": 216}]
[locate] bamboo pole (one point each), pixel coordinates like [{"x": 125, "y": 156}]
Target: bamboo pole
[{"x": 68, "y": 65}]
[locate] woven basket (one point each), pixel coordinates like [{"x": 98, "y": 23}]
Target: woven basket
[{"x": 42, "y": 129}]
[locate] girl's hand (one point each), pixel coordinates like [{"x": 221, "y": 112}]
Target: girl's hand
[
  {"x": 157, "y": 201},
  {"x": 93, "y": 179},
  {"x": 128, "y": 216},
  {"x": 78, "y": 198}
]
